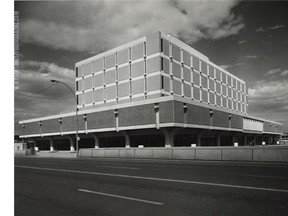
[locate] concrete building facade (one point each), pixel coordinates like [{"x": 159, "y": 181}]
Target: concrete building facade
[{"x": 154, "y": 92}]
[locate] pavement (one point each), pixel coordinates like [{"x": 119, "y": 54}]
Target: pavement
[
  {"x": 75, "y": 186},
  {"x": 55, "y": 154}
]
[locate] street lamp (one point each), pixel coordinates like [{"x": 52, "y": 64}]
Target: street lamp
[{"x": 75, "y": 98}]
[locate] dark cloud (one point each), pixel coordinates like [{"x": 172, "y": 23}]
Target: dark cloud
[{"x": 98, "y": 25}]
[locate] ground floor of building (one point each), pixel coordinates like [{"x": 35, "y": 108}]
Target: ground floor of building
[{"x": 164, "y": 137}]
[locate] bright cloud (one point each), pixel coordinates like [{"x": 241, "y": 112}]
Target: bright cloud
[
  {"x": 98, "y": 25},
  {"x": 242, "y": 41},
  {"x": 284, "y": 73},
  {"x": 269, "y": 99},
  {"x": 262, "y": 29},
  {"x": 251, "y": 57},
  {"x": 276, "y": 71},
  {"x": 226, "y": 66},
  {"x": 46, "y": 69}
]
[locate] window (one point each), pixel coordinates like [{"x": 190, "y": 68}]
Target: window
[
  {"x": 165, "y": 45},
  {"x": 204, "y": 67},
  {"x": 76, "y": 71},
  {"x": 176, "y": 52},
  {"x": 196, "y": 63},
  {"x": 137, "y": 51},
  {"x": 165, "y": 65},
  {"x": 196, "y": 78},
  {"x": 204, "y": 81},
  {"x": 176, "y": 70},
  {"x": 186, "y": 58}
]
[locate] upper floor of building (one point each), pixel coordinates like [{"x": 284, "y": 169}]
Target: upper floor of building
[{"x": 156, "y": 66}]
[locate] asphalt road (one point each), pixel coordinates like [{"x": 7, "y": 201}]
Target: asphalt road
[{"x": 145, "y": 187}]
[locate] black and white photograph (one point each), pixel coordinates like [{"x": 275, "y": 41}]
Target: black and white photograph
[{"x": 149, "y": 108}]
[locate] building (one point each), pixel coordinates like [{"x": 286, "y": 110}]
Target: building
[{"x": 152, "y": 92}]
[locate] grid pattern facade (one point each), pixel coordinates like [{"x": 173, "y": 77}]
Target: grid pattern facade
[
  {"x": 124, "y": 76},
  {"x": 133, "y": 73},
  {"x": 252, "y": 125},
  {"x": 191, "y": 77}
]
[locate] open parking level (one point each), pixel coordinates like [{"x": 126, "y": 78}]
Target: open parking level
[{"x": 50, "y": 186}]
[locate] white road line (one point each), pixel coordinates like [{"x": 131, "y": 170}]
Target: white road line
[
  {"x": 121, "y": 197},
  {"x": 45, "y": 162},
  {"x": 260, "y": 176},
  {"x": 117, "y": 167},
  {"x": 156, "y": 179}
]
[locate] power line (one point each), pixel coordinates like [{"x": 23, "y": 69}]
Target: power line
[
  {"x": 41, "y": 90},
  {"x": 23, "y": 95}
]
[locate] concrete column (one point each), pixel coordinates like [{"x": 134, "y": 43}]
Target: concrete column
[
  {"x": 51, "y": 144},
  {"x": 245, "y": 140},
  {"x": 218, "y": 139},
  {"x": 96, "y": 140},
  {"x": 199, "y": 139},
  {"x": 261, "y": 140},
  {"x": 169, "y": 135},
  {"x": 35, "y": 146},
  {"x": 269, "y": 140},
  {"x": 72, "y": 149},
  {"x": 235, "y": 141},
  {"x": 157, "y": 118},
  {"x": 127, "y": 139},
  {"x": 199, "y": 136}
]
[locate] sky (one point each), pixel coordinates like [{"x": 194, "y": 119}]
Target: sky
[{"x": 247, "y": 38}]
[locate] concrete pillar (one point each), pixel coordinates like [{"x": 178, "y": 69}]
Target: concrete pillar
[
  {"x": 51, "y": 144},
  {"x": 127, "y": 139},
  {"x": 254, "y": 140},
  {"x": 269, "y": 140},
  {"x": 245, "y": 140},
  {"x": 218, "y": 140},
  {"x": 72, "y": 149},
  {"x": 198, "y": 137},
  {"x": 169, "y": 135},
  {"x": 235, "y": 141},
  {"x": 34, "y": 144},
  {"x": 96, "y": 140},
  {"x": 157, "y": 122}
]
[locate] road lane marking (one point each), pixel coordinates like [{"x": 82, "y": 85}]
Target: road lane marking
[
  {"x": 45, "y": 162},
  {"x": 117, "y": 167},
  {"x": 156, "y": 179},
  {"x": 121, "y": 197},
  {"x": 260, "y": 176}
]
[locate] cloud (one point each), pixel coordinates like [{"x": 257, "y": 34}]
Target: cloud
[
  {"x": 46, "y": 69},
  {"x": 225, "y": 67},
  {"x": 36, "y": 97},
  {"x": 284, "y": 73},
  {"x": 276, "y": 71},
  {"x": 242, "y": 41},
  {"x": 276, "y": 27},
  {"x": 262, "y": 29},
  {"x": 251, "y": 57},
  {"x": 94, "y": 26},
  {"x": 269, "y": 99}
]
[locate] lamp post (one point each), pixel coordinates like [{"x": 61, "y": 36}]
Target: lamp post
[{"x": 74, "y": 95}]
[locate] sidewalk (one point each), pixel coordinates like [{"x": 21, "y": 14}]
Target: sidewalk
[{"x": 55, "y": 154}]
